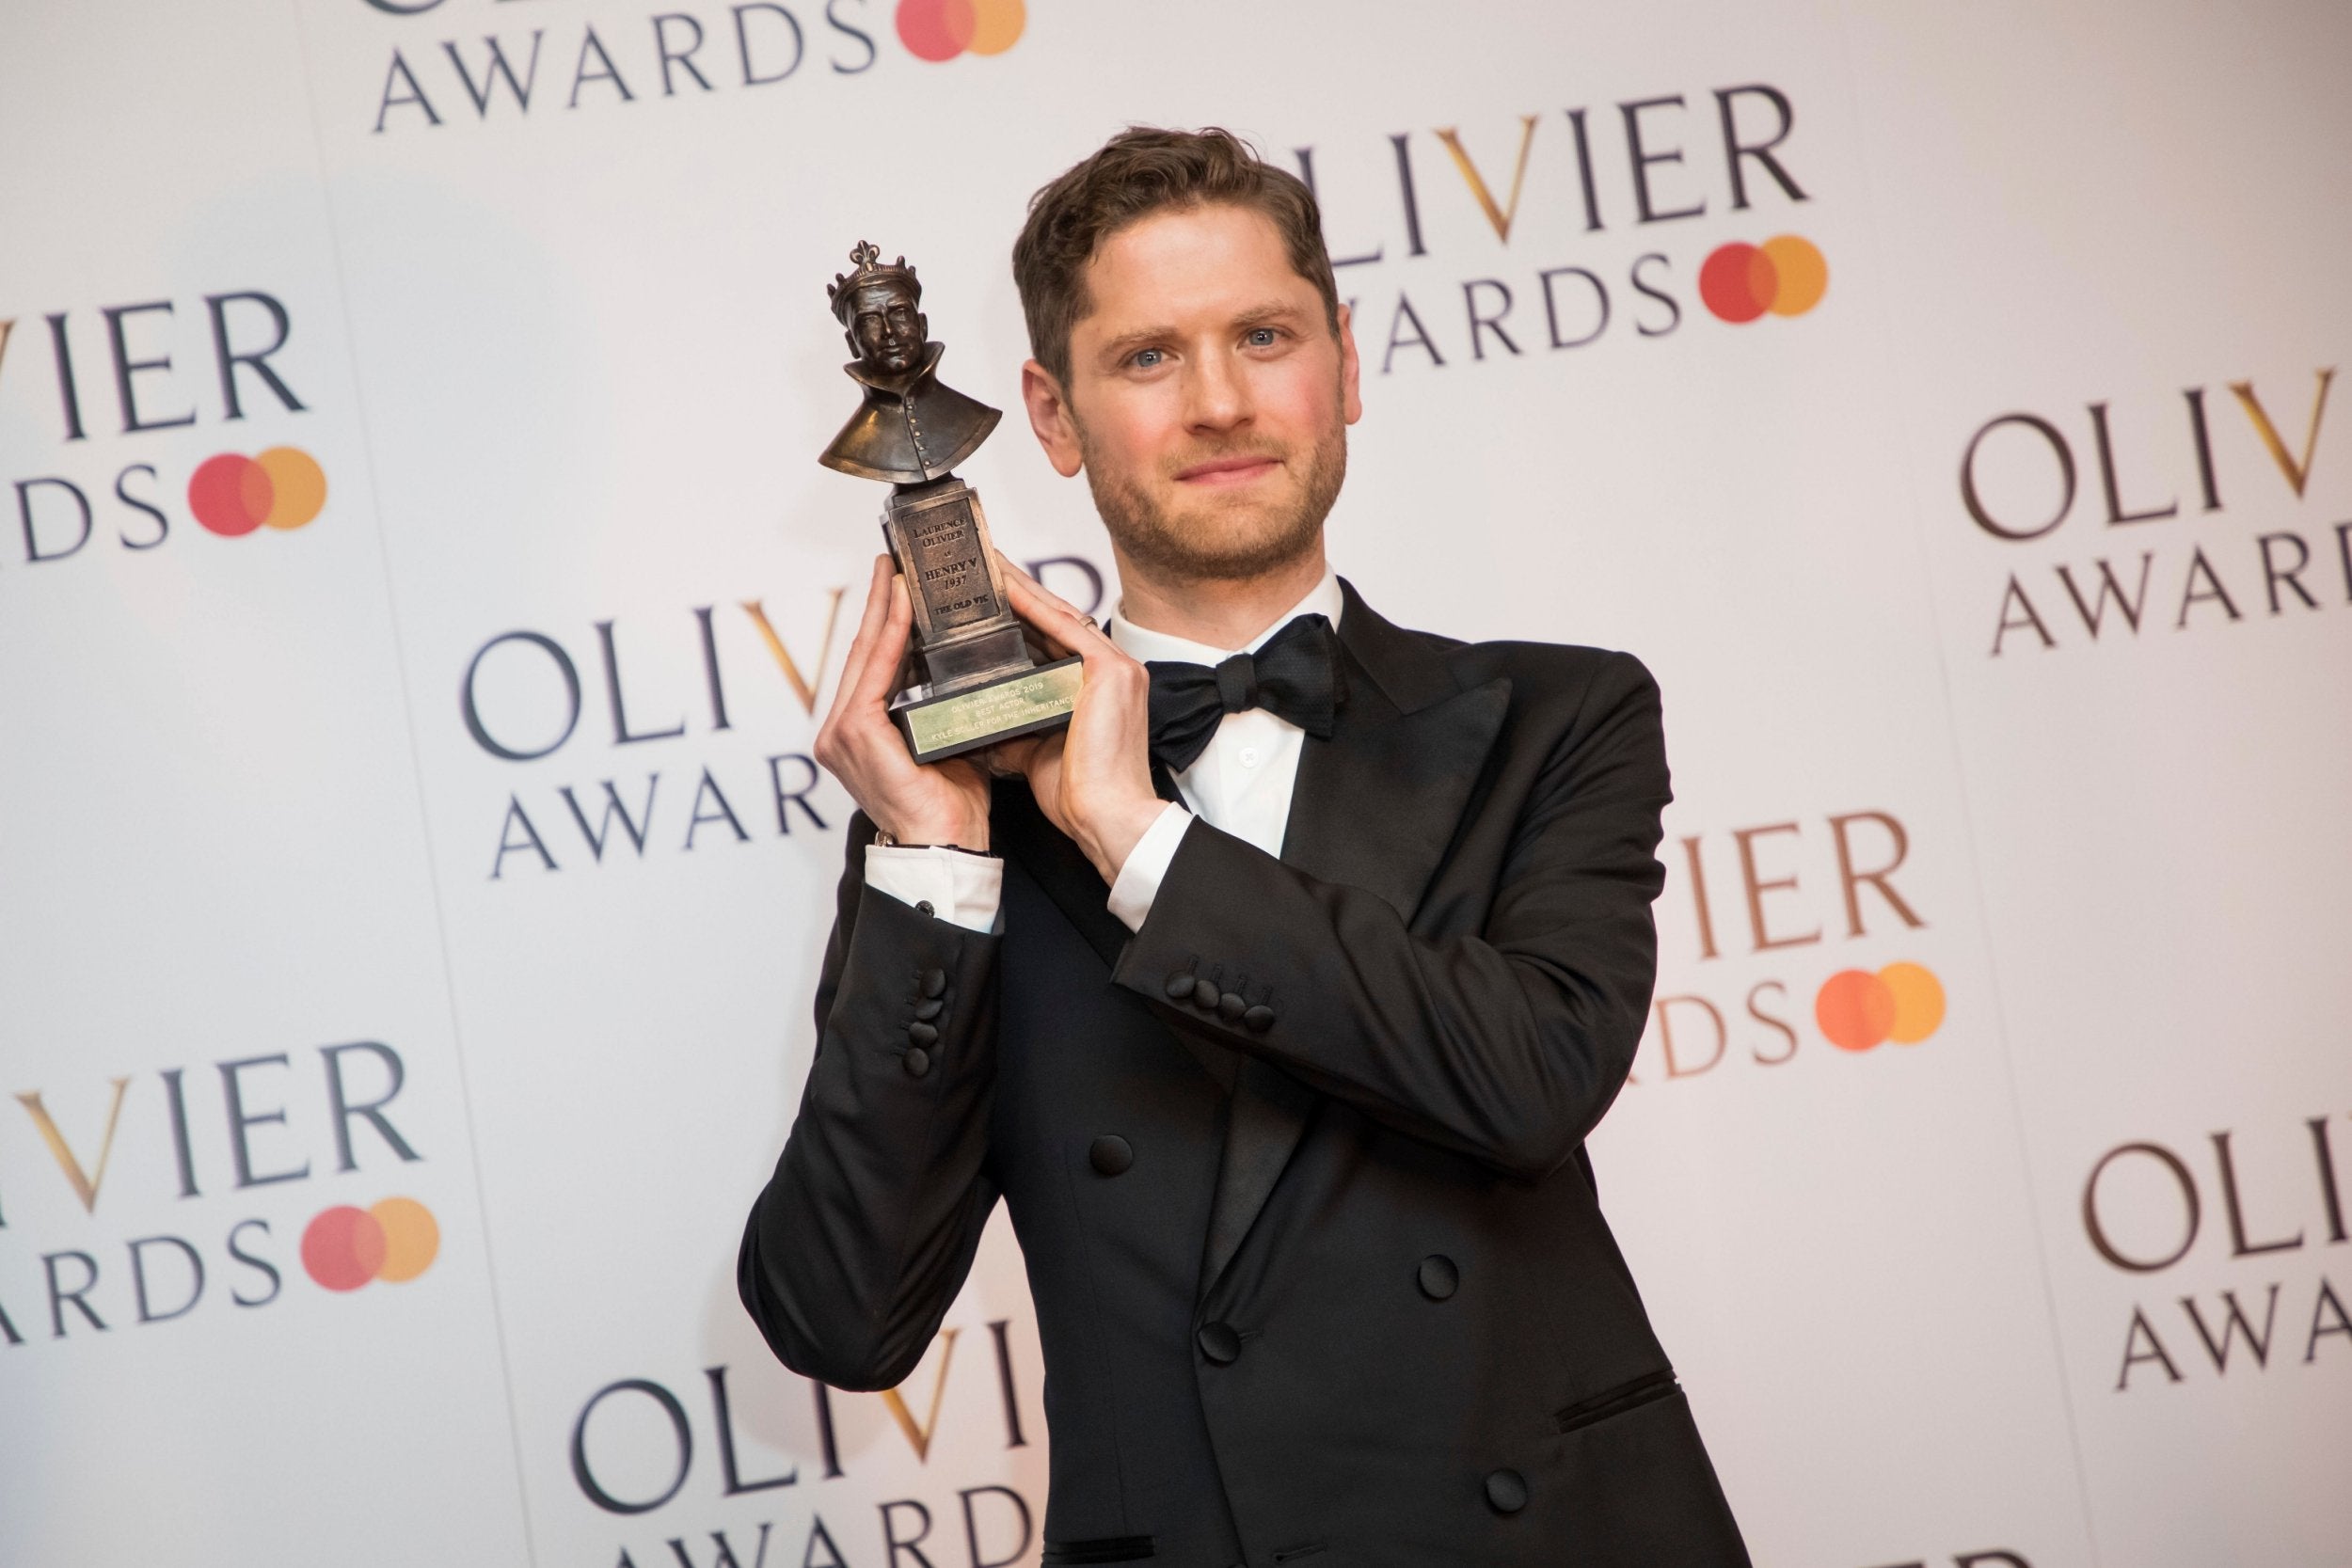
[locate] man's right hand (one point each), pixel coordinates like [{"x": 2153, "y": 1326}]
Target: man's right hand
[{"x": 944, "y": 802}]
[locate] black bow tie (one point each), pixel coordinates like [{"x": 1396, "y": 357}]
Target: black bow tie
[{"x": 1295, "y": 676}]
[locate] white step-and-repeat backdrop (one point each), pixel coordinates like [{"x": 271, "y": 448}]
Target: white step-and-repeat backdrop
[{"x": 417, "y": 584}]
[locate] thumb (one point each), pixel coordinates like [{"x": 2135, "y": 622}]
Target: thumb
[{"x": 1010, "y": 759}]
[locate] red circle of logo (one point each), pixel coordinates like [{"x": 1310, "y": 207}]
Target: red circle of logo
[
  {"x": 935, "y": 29},
  {"x": 230, "y": 494},
  {"x": 343, "y": 1247},
  {"x": 1738, "y": 282}
]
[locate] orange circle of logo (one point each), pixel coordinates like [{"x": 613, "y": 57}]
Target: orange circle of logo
[
  {"x": 1787, "y": 274},
  {"x": 396, "y": 1240},
  {"x": 413, "y": 1239},
  {"x": 1918, "y": 1002},
  {"x": 997, "y": 25},
  {"x": 1800, "y": 272},
  {"x": 297, "y": 486}
]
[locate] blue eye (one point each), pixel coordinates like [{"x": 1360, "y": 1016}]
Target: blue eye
[
  {"x": 1146, "y": 358},
  {"x": 1262, "y": 337}
]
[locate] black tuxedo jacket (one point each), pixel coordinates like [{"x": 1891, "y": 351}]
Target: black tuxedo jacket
[{"x": 1297, "y": 1169}]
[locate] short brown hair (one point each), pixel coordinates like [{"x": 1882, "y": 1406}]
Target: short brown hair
[{"x": 1141, "y": 171}]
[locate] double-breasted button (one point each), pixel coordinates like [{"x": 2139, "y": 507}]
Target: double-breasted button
[
  {"x": 1204, "y": 995},
  {"x": 923, "y": 906},
  {"x": 921, "y": 1033},
  {"x": 1110, "y": 1154},
  {"x": 1507, "y": 1491},
  {"x": 1259, "y": 1019},
  {"x": 934, "y": 982},
  {"x": 1220, "y": 1343},
  {"x": 1230, "y": 1007},
  {"x": 1180, "y": 985},
  {"x": 928, "y": 1010},
  {"x": 918, "y": 1062},
  {"x": 1437, "y": 1277}
]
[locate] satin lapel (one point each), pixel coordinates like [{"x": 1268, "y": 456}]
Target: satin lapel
[
  {"x": 1378, "y": 803},
  {"x": 1375, "y": 807},
  {"x": 1265, "y": 1117},
  {"x": 1024, "y": 835}
]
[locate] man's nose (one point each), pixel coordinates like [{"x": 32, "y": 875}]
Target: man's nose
[{"x": 1218, "y": 393}]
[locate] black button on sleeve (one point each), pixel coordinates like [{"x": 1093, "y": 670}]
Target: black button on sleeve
[
  {"x": 1110, "y": 1154},
  {"x": 1507, "y": 1491},
  {"x": 1220, "y": 1343},
  {"x": 1180, "y": 985},
  {"x": 928, "y": 1010},
  {"x": 922, "y": 1034},
  {"x": 1259, "y": 1019},
  {"x": 1438, "y": 1276},
  {"x": 934, "y": 982},
  {"x": 1230, "y": 1007},
  {"x": 918, "y": 1062},
  {"x": 1204, "y": 995}
]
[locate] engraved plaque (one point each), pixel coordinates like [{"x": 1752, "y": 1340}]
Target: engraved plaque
[
  {"x": 946, "y": 568},
  {"x": 1024, "y": 705}
]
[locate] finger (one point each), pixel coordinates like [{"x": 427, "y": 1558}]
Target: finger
[
  {"x": 969, "y": 765},
  {"x": 1020, "y": 594},
  {"x": 890, "y": 646},
  {"x": 869, "y": 626},
  {"x": 1008, "y": 759},
  {"x": 1055, "y": 619},
  {"x": 1038, "y": 588}
]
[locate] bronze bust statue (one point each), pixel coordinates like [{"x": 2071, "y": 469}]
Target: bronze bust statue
[{"x": 908, "y": 429}]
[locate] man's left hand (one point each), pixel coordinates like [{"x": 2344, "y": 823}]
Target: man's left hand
[{"x": 1092, "y": 780}]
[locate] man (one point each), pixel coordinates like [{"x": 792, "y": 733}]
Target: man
[{"x": 1275, "y": 996}]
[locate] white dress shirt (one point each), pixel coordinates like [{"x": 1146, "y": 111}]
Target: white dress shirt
[{"x": 1241, "y": 784}]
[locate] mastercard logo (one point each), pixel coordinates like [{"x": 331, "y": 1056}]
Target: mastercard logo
[
  {"x": 395, "y": 1240},
  {"x": 1857, "y": 1010},
  {"x": 233, "y": 495},
  {"x": 1786, "y": 275},
  {"x": 941, "y": 29}
]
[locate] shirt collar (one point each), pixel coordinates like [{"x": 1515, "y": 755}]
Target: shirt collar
[{"x": 1145, "y": 645}]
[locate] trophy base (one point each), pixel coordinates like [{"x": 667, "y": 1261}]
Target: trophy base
[{"x": 954, "y": 723}]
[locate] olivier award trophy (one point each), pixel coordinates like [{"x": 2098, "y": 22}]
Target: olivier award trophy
[{"x": 975, "y": 681}]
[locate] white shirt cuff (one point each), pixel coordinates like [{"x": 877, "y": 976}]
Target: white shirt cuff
[
  {"x": 1146, "y": 866},
  {"x": 961, "y": 887}
]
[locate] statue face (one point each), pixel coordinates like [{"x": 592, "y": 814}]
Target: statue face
[{"x": 887, "y": 332}]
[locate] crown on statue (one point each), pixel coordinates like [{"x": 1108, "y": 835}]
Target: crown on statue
[{"x": 866, "y": 270}]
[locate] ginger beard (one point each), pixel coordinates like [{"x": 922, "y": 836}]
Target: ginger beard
[{"x": 1218, "y": 537}]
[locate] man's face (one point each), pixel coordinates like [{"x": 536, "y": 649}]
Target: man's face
[
  {"x": 1208, "y": 400},
  {"x": 887, "y": 332}
]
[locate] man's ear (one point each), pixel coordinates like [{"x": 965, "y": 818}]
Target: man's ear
[
  {"x": 1049, "y": 415},
  {"x": 1351, "y": 400}
]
